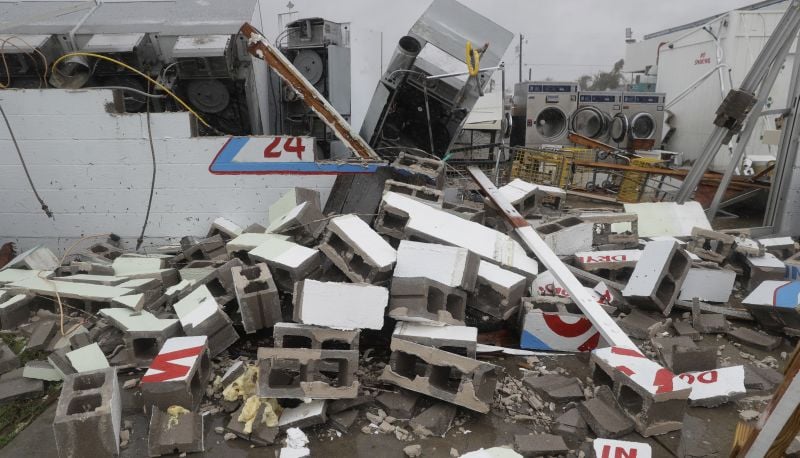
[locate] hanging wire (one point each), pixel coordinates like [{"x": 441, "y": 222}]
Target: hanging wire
[{"x": 45, "y": 208}]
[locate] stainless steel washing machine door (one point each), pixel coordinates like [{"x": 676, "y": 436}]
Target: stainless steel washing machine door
[
  {"x": 619, "y": 127},
  {"x": 643, "y": 126},
  {"x": 551, "y": 123},
  {"x": 590, "y": 122}
]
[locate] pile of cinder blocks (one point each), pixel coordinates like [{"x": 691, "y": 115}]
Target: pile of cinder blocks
[{"x": 310, "y": 317}]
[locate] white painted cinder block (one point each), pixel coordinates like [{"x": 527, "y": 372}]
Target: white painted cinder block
[
  {"x": 645, "y": 277},
  {"x": 465, "y": 334},
  {"x": 341, "y": 305},
  {"x": 668, "y": 218},
  {"x": 711, "y": 285},
  {"x": 371, "y": 244},
  {"x": 283, "y": 252},
  {"x": 453, "y": 230},
  {"x": 88, "y": 358},
  {"x": 444, "y": 264},
  {"x": 250, "y": 240},
  {"x": 75, "y": 151},
  {"x": 197, "y": 307},
  {"x": 499, "y": 276}
]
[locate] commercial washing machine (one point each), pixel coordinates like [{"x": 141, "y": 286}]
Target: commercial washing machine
[
  {"x": 595, "y": 111},
  {"x": 550, "y": 106},
  {"x": 639, "y": 124}
]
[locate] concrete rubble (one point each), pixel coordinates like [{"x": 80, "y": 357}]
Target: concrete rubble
[{"x": 310, "y": 325}]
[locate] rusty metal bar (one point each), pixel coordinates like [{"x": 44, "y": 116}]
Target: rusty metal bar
[{"x": 261, "y": 48}]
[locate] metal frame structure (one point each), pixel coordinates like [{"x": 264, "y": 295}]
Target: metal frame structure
[{"x": 738, "y": 105}]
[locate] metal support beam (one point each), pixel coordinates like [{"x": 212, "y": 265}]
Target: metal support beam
[
  {"x": 608, "y": 328},
  {"x": 735, "y": 109},
  {"x": 747, "y": 131},
  {"x": 261, "y": 48}
]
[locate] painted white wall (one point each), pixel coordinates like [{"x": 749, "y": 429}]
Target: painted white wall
[{"x": 93, "y": 169}]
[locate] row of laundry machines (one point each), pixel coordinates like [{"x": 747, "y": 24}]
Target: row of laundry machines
[{"x": 545, "y": 112}]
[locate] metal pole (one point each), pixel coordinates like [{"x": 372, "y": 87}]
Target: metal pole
[
  {"x": 786, "y": 30},
  {"x": 782, "y": 202},
  {"x": 521, "y": 37},
  {"x": 744, "y": 137}
]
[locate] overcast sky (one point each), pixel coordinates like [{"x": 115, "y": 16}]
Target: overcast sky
[{"x": 565, "y": 38}]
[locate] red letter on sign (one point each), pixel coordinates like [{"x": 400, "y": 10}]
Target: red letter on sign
[
  {"x": 622, "y": 453},
  {"x": 606, "y": 449},
  {"x": 268, "y": 151},
  {"x": 707, "y": 377},
  {"x": 297, "y": 148},
  {"x": 688, "y": 378}
]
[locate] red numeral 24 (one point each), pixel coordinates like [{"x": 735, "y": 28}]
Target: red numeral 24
[{"x": 291, "y": 145}]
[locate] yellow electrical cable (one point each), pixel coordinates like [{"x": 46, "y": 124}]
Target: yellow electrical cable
[
  {"x": 473, "y": 60},
  {"x": 126, "y": 66}
]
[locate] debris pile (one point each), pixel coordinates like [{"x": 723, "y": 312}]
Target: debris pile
[{"x": 408, "y": 320}]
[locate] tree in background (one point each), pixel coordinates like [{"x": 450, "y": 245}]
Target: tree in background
[{"x": 604, "y": 81}]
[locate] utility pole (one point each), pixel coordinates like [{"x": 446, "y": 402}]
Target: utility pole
[{"x": 520, "y": 57}]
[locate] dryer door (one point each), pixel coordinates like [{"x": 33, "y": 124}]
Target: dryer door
[
  {"x": 551, "y": 123},
  {"x": 619, "y": 127},
  {"x": 643, "y": 126},
  {"x": 590, "y": 122}
]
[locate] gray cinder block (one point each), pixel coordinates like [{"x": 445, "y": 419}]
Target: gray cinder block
[
  {"x": 88, "y": 415},
  {"x": 443, "y": 375}
]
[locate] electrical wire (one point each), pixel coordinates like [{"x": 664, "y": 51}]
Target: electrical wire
[
  {"x": 45, "y": 208},
  {"x": 128, "y": 67},
  {"x": 153, "y": 180},
  {"x": 55, "y": 286},
  {"x": 130, "y": 89},
  {"x": 5, "y": 62}
]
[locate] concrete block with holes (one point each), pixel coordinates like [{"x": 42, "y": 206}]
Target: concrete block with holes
[
  {"x": 178, "y": 374},
  {"x": 497, "y": 291},
  {"x": 88, "y": 415},
  {"x": 201, "y": 315},
  {"x": 658, "y": 276},
  {"x": 420, "y": 169},
  {"x": 423, "y": 299},
  {"x": 566, "y": 236},
  {"x": 297, "y": 214},
  {"x": 225, "y": 228},
  {"x": 340, "y": 305},
  {"x": 294, "y": 335},
  {"x": 307, "y": 373},
  {"x": 143, "y": 333},
  {"x": 358, "y": 251},
  {"x": 105, "y": 250},
  {"x": 425, "y": 194},
  {"x": 711, "y": 245},
  {"x": 288, "y": 262},
  {"x": 460, "y": 340},
  {"x": 443, "y": 375},
  {"x": 529, "y": 198},
  {"x": 212, "y": 248},
  {"x": 650, "y": 395},
  {"x": 257, "y": 295},
  {"x": 614, "y": 229},
  {"x": 452, "y": 266},
  {"x": 402, "y": 217}
]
